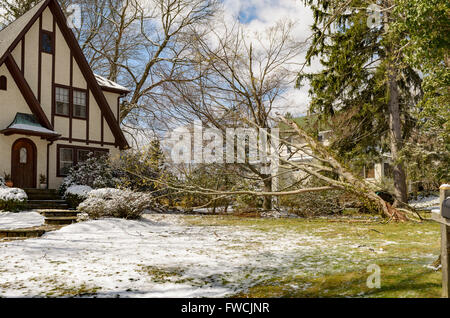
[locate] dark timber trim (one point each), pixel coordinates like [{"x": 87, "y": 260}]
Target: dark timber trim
[
  {"x": 22, "y": 58},
  {"x": 94, "y": 142},
  {"x": 39, "y": 61},
  {"x": 74, "y": 155},
  {"x": 27, "y": 93},
  {"x": 53, "y": 73},
  {"x": 88, "y": 74},
  {"x": 13, "y": 131},
  {"x": 25, "y": 30},
  {"x": 71, "y": 98},
  {"x": 93, "y": 86}
]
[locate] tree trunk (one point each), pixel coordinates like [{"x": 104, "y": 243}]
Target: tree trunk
[
  {"x": 267, "y": 204},
  {"x": 351, "y": 183},
  {"x": 395, "y": 136},
  {"x": 395, "y": 124}
]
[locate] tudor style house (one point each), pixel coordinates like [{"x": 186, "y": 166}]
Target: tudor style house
[{"x": 54, "y": 110}]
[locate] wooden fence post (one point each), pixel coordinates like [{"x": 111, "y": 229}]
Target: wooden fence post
[{"x": 445, "y": 245}]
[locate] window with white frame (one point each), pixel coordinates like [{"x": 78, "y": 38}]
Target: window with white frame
[
  {"x": 65, "y": 160},
  {"x": 79, "y": 104},
  {"x": 62, "y": 97}
]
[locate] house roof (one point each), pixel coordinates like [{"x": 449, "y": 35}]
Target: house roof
[
  {"x": 109, "y": 85},
  {"x": 28, "y": 124},
  {"x": 15, "y": 31},
  {"x": 9, "y": 34}
]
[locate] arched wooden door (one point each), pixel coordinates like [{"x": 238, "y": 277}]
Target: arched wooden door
[{"x": 23, "y": 164}]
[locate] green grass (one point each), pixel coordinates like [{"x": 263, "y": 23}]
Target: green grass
[
  {"x": 402, "y": 251},
  {"x": 330, "y": 259}
]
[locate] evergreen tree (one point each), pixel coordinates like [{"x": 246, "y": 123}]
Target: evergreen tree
[
  {"x": 156, "y": 156},
  {"x": 365, "y": 86},
  {"x": 427, "y": 48},
  {"x": 15, "y": 9}
]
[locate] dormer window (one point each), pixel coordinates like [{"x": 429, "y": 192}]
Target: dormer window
[
  {"x": 47, "y": 42},
  {"x": 3, "y": 83}
]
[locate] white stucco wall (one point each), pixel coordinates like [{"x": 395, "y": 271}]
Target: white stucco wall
[{"x": 12, "y": 101}]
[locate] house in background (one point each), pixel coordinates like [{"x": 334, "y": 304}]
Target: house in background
[
  {"x": 375, "y": 172},
  {"x": 54, "y": 109}
]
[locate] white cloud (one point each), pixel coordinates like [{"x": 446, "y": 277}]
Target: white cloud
[{"x": 258, "y": 15}]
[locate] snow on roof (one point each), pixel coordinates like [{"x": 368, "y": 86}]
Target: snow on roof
[
  {"x": 28, "y": 122},
  {"x": 12, "y": 31},
  {"x": 103, "y": 82},
  {"x": 33, "y": 128}
]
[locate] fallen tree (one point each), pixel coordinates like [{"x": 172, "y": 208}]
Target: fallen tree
[
  {"x": 325, "y": 162},
  {"x": 348, "y": 181}
]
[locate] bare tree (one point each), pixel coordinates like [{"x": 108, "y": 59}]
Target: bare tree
[
  {"x": 239, "y": 78},
  {"x": 142, "y": 44}
]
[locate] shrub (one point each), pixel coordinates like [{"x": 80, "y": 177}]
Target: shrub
[
  {"x": 95, "y": 172},
  {"x": 328, "y": 202},
  {"x": 115, "y": 203},
  {"x": 12, "y": 199},
  {"x": 248, "y": 203},
  {"x": 2, "y": 182},
  {"x": 76, "y": 194}
]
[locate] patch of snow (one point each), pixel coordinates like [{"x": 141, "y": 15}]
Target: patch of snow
[
  {"x": 432, "y": 267},
  {"x": 81, "y": 191},
  {"x": 33, "y": 128},
  {"x": 105, "y": 193},
  {"x": 21, "y": 220},
  {"x": 163, "y": 256},
  {"x": 103, "y": 82},
  {"x": 10, "y": 194},
  {"x": 438, "y": 211},
  {"x": 278, "y": 214},
  {"x": 425, "y": 202},
  {"x": 123, "y": 258}
]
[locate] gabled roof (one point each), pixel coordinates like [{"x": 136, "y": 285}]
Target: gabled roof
[{"x": 15, "y": 31}]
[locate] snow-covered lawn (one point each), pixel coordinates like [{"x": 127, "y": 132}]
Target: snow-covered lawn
[
  {"x": 191, "y": 256},
  {"x": 11, "y": 221},
  {"x": 425, "y": 203}
]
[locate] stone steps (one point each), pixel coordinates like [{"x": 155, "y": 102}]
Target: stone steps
[
  {"x": 54, "y": 220},
  {"x": 47, "y": 204},
  {"x": 45, "y": 199},
  {"x": 60, "y": 220},
  {"x": 59, "y": 217},
  {"x": 58, "y": 213},
  {"x": 22, "y": 233}
]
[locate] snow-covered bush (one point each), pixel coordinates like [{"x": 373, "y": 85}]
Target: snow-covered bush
[
  {"x": 116, "y": 203},
  {"x": 2, "y": 182},
  {"x": 12, "y": 199},
  {"x": 76, "y": 194},
  {"x": 95, "y": 172}
]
